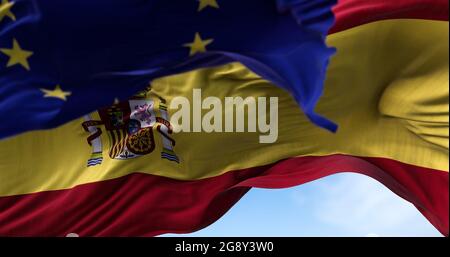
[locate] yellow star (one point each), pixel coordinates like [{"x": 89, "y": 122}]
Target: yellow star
[
  {"x": 199, "y": 45},
  {"x": 5, "y": 10},
  {"x": 57, "y": 93},
  {"x": 17, "y": 55},
  {"x": 205, "y": 3}
]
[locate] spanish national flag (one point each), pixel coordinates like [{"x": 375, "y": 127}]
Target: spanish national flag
[{"x": 386, "y": 87}]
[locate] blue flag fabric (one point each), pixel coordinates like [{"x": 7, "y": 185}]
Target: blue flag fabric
[{"x": 62, "y": 59}]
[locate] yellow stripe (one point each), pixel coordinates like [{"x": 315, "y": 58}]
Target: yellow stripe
[{"x": 387, "y": 88}]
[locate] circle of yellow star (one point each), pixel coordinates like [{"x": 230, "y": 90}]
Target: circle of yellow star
[
  {"x": 56, "y": 93},
  {"x": 205, "y": 3},
  {"x": 199, "y": 45},
  {"x": 17, "y": 55},
  {"x": 5, "y": 10}
]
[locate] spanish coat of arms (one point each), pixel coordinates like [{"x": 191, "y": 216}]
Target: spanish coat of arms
[{"x": 130, "y": 129}]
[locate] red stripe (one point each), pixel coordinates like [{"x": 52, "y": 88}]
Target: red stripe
[
  {"x": 352, "y": 13},
  {"x": 147, "y": 205}
]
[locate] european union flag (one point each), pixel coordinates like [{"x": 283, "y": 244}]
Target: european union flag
[{"x": 62, "y": 59}]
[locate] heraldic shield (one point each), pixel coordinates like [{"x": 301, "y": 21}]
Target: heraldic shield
[{"x": 129, "y": 126}]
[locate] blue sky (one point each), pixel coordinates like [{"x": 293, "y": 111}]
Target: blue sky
[{"x": 340, "y": 205}]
